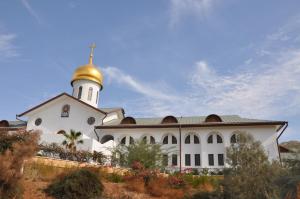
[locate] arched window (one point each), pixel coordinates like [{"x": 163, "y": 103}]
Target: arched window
[
  {"x": 145, "y": 139},
  {"x": 165, "y": 140},
  {"x": 174, "y": 140},
  {"x": 213, "y": 118},
  {"x": 187, "y": 140},
  {"x": 169, "y": 119},
  {"x": 4, "y": 123},
  {"x": 123, "y": 141},
  {"x": 65, "y": 110},
  {"x": 90, "y": 94},
  {"x": 233, "y": 139},
  {"x": 196, "y": 140},
  {"x": 148, "y": 139},
  {"x": 128, "y": 120},
  {"x": 210, "y": 139},
  {"x": 152, "y": 140},
  {"x": 131, "y": 140},
  {"x": 106, "y": 138},
  {"x": 79, "y": 92},
  {"x": 219, "y": 139}
]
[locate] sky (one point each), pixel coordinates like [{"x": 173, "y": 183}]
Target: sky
[{"x": 158, "y": 57}]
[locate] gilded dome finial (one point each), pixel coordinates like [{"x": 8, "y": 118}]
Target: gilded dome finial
[{"x": 92, "y": 47}]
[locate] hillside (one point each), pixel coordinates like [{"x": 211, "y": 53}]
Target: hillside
[{"x": 293, "y": 145}]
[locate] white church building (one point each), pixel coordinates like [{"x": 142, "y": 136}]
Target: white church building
[{"x": 195, "y": 142}]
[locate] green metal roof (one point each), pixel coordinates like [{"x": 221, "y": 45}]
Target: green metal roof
[{"x": 190, "y": 120}]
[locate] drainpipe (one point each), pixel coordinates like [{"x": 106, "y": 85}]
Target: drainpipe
[
  {"x": 285, "y": 126},
  {"x": 180, "y": 167},
  {"x": 101, "y": 124}
]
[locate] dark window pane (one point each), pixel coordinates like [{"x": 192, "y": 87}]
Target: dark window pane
[
  {"x": 174, "y": 140},
  {"x": 123, "y": 141},
  {"x": 152, "y": 140},
  {"x": 210, "y": 139},
  {"x": 233, "y": 139},
  {"x": 165, "y": 141},
  {"x": 196, "y": 139},
  {"x": 131, "y": 140},
  {"x": 187, "y": 140},
  {"x": 219, "y": 139},
  {"x": 211, "y": 159},
  {"x": 221, "y": 159},
  {"x": 197, "y": 160},
  {"x": 65, "y": 111},
  {"x": 80, "y": 92},
  {"x": 165, "y": 160},
  {"x": 187, "y": 159},
  {"x": 145, "y": 139},
  {"x": 174, "y": 159}
]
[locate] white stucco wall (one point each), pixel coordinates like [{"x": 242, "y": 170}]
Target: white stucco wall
[
  {"x": 265, "y": 134},
  {"x": 86, "y": 84},
  {"x": 52, "y": 122}
]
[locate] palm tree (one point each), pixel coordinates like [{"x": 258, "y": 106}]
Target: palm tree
[{"x": 71, "y": 140}]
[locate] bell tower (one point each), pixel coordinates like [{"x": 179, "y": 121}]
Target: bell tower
[{"x": 87, "y": 82}]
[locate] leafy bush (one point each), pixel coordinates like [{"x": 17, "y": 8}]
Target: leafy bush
[
  {"x": 149, "y": 155},
  {"x": 56, "y": 151},
  {"x": 80, "y": 184},
  {"x": 15, "y": 147}
]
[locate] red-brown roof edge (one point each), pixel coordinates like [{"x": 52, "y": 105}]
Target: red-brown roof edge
[{"x": 190, "y": 125}]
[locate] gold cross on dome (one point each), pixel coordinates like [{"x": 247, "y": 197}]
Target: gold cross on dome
[{"x": 92, "y": 47}]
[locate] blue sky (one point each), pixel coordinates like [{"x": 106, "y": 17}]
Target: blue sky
[{"x": 180, "y": 57}]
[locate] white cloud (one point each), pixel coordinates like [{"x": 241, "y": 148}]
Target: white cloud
[
  {"x": 182, "y": 8},
  {"x": 31, "y": 11},
  {"x": 116, "y": 75},
  {"x": 7, "y": 48}
]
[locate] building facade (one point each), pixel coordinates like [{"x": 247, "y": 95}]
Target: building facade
[{"x": 189, "y": 142}]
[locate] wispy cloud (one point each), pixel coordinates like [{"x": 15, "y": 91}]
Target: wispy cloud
[
  {"x": 31, "y": 11},
  {"x": 116, "y": 75},
  {"x": 269, "y": 88},
  {"x": 183, "y": 8},
  {"x": 7, "y": 48}
]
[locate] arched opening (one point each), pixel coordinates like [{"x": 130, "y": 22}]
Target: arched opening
[
  {"x": 123, "y": 140},
  {"x": 62, "y": 132},
  {"x": 187, "y": 139},
  {"x": 148, "y": 139},
  {"x": 165, "y": 140},
  {"x": 169, "y": 139},
  {"x": 213, "y": 118},
  {"x": 4, "y": 123},
  {"x": 214, "y": 138},
  {"x": 196, "y": 139},
  {"x": 128, "y": 120},
  {"x": 127, "y": 140},
  {"x": 233, "y": 139},
  {"x": 106, "y": 138},
  {"x": 174, "y": 140},
  {"x": 169, "y": 119},
  {"x": 65, "y": 111}
]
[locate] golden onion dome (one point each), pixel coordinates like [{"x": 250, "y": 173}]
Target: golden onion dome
[{"x": 88, "y": 72}]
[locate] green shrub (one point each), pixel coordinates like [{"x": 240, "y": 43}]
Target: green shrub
[
  {"x": 80, "y": 184},
  {"x": 114, "y": 177}
]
